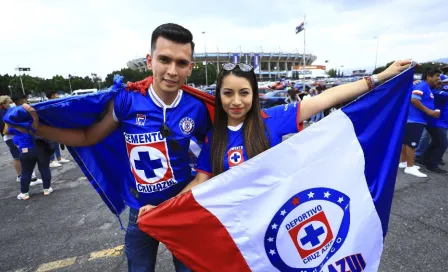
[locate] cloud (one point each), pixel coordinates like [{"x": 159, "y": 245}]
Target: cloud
[{"x": 83, "y": 37}]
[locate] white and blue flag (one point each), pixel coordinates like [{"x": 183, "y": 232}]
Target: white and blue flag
[{"x": 319, "y": 201}]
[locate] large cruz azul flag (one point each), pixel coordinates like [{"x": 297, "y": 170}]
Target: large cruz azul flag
[{"x": 319, "y": 201}]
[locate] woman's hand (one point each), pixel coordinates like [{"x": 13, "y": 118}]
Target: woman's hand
[
  {"x": 394, "y": 69},
  {"x": 145, "y": 209}
]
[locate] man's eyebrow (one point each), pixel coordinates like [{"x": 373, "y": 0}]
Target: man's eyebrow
[{"x": 232, "y": 89}]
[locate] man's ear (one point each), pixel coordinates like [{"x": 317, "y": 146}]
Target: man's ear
[
  {"x": 191, "y": 68},
  {"x": 148, "y": 61}
]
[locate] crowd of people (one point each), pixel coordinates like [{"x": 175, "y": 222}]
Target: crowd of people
[
  {"x": 28, "y": 150},
  {"x": 239, "y": 124},
  {"x": 425, "y": 141}
]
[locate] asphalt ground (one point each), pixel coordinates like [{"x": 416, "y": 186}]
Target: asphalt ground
[{"x": 73, "y": 230}]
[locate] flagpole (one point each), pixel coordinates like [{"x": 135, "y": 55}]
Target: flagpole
[{"x": 304, "y": 46}]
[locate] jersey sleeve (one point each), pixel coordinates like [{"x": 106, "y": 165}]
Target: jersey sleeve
[
  {"x": 441, "y": 95},
  {"x": 122, "y": 105},
  {"x": 418, "y": 90},
  {"x": 204, "y": 124},
  {"x": 204, "y": 162},
  {"x": 283, "y": 119}
]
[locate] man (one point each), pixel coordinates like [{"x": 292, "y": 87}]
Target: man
[
  {"x": 5, "y": 103},
  {"x": 431, "y": 154},
  {"x": 421, "y": 108},
  {"x": 55, "y": 159},
  {"x": 293, "y": 96},
  {"x": 156, "y": 128}
]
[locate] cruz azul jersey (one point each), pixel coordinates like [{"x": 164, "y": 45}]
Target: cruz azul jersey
[
  {"x": 158, "y": 170},
  {"x": 280, "y": 120},
  {"x": 441, "y": 103},
  {"x": 422, "y": 92}
]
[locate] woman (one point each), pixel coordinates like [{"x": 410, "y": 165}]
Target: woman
[
  {"x": 32, "y": 150},
  {"x": 242, "y": 131}
]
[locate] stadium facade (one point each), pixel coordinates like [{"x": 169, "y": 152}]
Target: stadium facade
[{"x": 268, "y": 66}]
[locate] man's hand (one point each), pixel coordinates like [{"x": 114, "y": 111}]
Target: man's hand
[
  {"x": 145, "y": 209},
  {"x": 33, "y": 114},
  {"x": 433, "y": 113}
]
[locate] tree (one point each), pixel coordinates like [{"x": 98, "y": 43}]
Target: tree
[
  {"x": 382, "y": 68},
  {"x": 332, "y": 73},
  {"x": 128, "y": 74},
  {"x": 418, "y": 70},
  {"x": 198, "y": 74}
]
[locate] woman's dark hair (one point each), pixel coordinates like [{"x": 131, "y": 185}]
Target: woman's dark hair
[
  {"x": 254, "y": 129},
  {"x": 173, "y": 32}
]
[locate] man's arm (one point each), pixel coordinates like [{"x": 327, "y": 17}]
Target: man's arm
[
  {"x": 419, "y": 105},
  {"x": 77, "y": 137}
]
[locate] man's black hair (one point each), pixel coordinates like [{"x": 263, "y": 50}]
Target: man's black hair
[
  {"x": 17, "y": 97},
  {"x": 49, "y": 94},
  {"x": 430, "y": 71},
  {"x": 172, "y": 32}
]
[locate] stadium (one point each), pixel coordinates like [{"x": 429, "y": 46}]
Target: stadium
[{"x": 273, "y": 65}]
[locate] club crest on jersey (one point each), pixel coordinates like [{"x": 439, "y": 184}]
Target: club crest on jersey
[
  {"x": 308, "y": 230},
  {"x": 140, "y": 119},
  {"x": 186, "y": 125},
  {"x": 149, "y": 161},
  {"x": 235, "y": 156}
]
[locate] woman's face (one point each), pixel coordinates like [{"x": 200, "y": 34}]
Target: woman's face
[{"x": 236, "y": 96}]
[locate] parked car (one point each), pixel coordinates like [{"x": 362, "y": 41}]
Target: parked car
[
  {"x": 210, "y": 90},
  {"x": 263, "y": 90},
  {"x": 273, "y": 98},
  {"x": 277, "y": 86}
]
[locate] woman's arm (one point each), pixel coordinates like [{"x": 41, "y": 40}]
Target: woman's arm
[
  {"x": 343, "y": 93},
  {"x": 200, "y": 178}
]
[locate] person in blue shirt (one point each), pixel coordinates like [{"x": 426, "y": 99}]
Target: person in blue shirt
[
  {"x": 431, "y": 154},
  {"x": 242, "y": 131},
  {"x": 157, "y": 127},
  {"x": 32, "y": 151},
  {"x": 420, "y": 111}
]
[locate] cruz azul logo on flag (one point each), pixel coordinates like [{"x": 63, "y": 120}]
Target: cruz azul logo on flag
[
  {"x": 235, "y": 156},
  {"x": 149, "y": 161},
  {"x": 308, "y": 230}
]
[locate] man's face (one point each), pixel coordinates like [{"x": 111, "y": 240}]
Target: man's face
[
  {"x": 21, "y": 102},
  {"x": 434, "y": 80},
  {"x": 54, "y": 96},
  {"x": 170, "y": 64}
]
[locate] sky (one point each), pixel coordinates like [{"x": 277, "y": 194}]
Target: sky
[{"x": 81, "y": 37}]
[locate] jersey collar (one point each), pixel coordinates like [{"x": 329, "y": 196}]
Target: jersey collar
[
  {"x": 159, "y": 102},
  {"x": 235, "y": 128}
]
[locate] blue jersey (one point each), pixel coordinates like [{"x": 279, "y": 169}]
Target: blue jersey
[
  {"x": 159, "y": 166},
  {"x": 422, "y": 92},
  {"x": 279, "y": 120},
  {"x": 441, "y": 103},
  {"x": 21, "y": 140}
]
